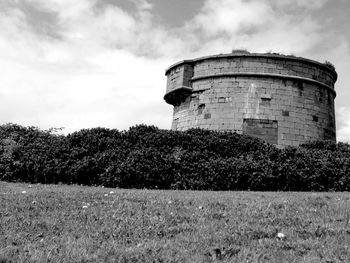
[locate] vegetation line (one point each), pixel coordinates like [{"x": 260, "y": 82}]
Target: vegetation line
[{"x": 148, "y": 157}]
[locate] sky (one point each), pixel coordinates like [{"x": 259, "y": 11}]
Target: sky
[{"x": 101, "y": 63}]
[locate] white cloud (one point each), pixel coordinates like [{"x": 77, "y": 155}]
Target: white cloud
[
  {"x": 229, "y": 17},
  {"x": 66, "y": 9},
  {"x": 83, "y": 80},
  {"x": 343, "y": 121},
  {"x": 256, "y": 25}
]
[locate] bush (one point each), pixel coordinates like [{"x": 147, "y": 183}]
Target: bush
[{"x": 148, "y": 157}]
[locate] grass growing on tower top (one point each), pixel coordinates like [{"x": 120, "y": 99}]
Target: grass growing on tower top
[{"x": 52, "y": 223}]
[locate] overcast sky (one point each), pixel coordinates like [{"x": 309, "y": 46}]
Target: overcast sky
[{"x": 101, "y": 63}]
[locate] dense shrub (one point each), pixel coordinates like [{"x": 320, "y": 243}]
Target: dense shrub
[{"x": 148, "y": 157}]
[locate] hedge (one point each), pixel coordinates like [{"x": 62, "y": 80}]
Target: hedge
[{"x": 148, "y": 157}]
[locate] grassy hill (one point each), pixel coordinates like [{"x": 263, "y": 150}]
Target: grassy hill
[{"x": 58, "y": 223}]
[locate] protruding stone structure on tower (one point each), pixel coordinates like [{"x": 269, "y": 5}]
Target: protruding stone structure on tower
[{"x": 284, "y": 100}]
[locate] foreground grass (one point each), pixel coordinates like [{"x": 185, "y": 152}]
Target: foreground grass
[{"x": 48, "y": 223}]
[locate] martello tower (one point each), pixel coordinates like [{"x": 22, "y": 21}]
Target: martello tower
[{"x": 284, "y": 100}]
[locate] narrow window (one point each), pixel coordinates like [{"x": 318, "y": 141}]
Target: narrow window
[
  {"x": 329, "y": 98},
  {"x": 300, "y": 88},
  {"x": 321, "y": 95}
]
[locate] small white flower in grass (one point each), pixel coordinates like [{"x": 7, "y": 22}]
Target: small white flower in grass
[
  {"x": 24, "y": 192},
  {"x": 85, "y": 206},
  {"x": 105, "y": 194},
  {"x": 169, "y": 202},
  {"x": 200, "y": 207},
  {"x": 111, "y": 192},
  {"x": 281, "y": 235}
]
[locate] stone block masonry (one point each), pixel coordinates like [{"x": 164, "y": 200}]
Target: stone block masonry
[{"x": 284, "y": 100}]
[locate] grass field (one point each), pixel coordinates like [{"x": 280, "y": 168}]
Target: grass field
[{"x": 52, "y": 223}]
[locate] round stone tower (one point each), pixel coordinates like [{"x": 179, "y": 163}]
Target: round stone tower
[{"x": 284, "y": 100}]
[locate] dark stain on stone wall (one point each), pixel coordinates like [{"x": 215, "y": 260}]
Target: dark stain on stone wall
[{"x": 263, "y": 129}]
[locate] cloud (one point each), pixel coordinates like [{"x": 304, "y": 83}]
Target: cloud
[
  {"x": 142, "y": 4},
  {"x": 87, "y": 78},
  {"x": 308, "y": 4},
  {"x": 229, "y": 17},
  {"x": 257, "y": 25},
  {"x": 343, "y": 122},
  {"x": 66, "y": 9}
]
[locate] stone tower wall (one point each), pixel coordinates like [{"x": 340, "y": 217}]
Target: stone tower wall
[{"x": 282, "y": 99}]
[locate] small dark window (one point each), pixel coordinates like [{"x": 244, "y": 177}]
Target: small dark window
[
  {"x": 222, "y": 100},
  {"x": 207, "y": 116},
  {"x": 201, "y": 107},
  {"x": 321, "y": 95},
  {"x": 315, "y": 118},
  {"x": 300, "y": 88},
  {"x": 329, "y": 98},
  {"x": 285, "y": 113},
  {"x": 265, "y": 102}
]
